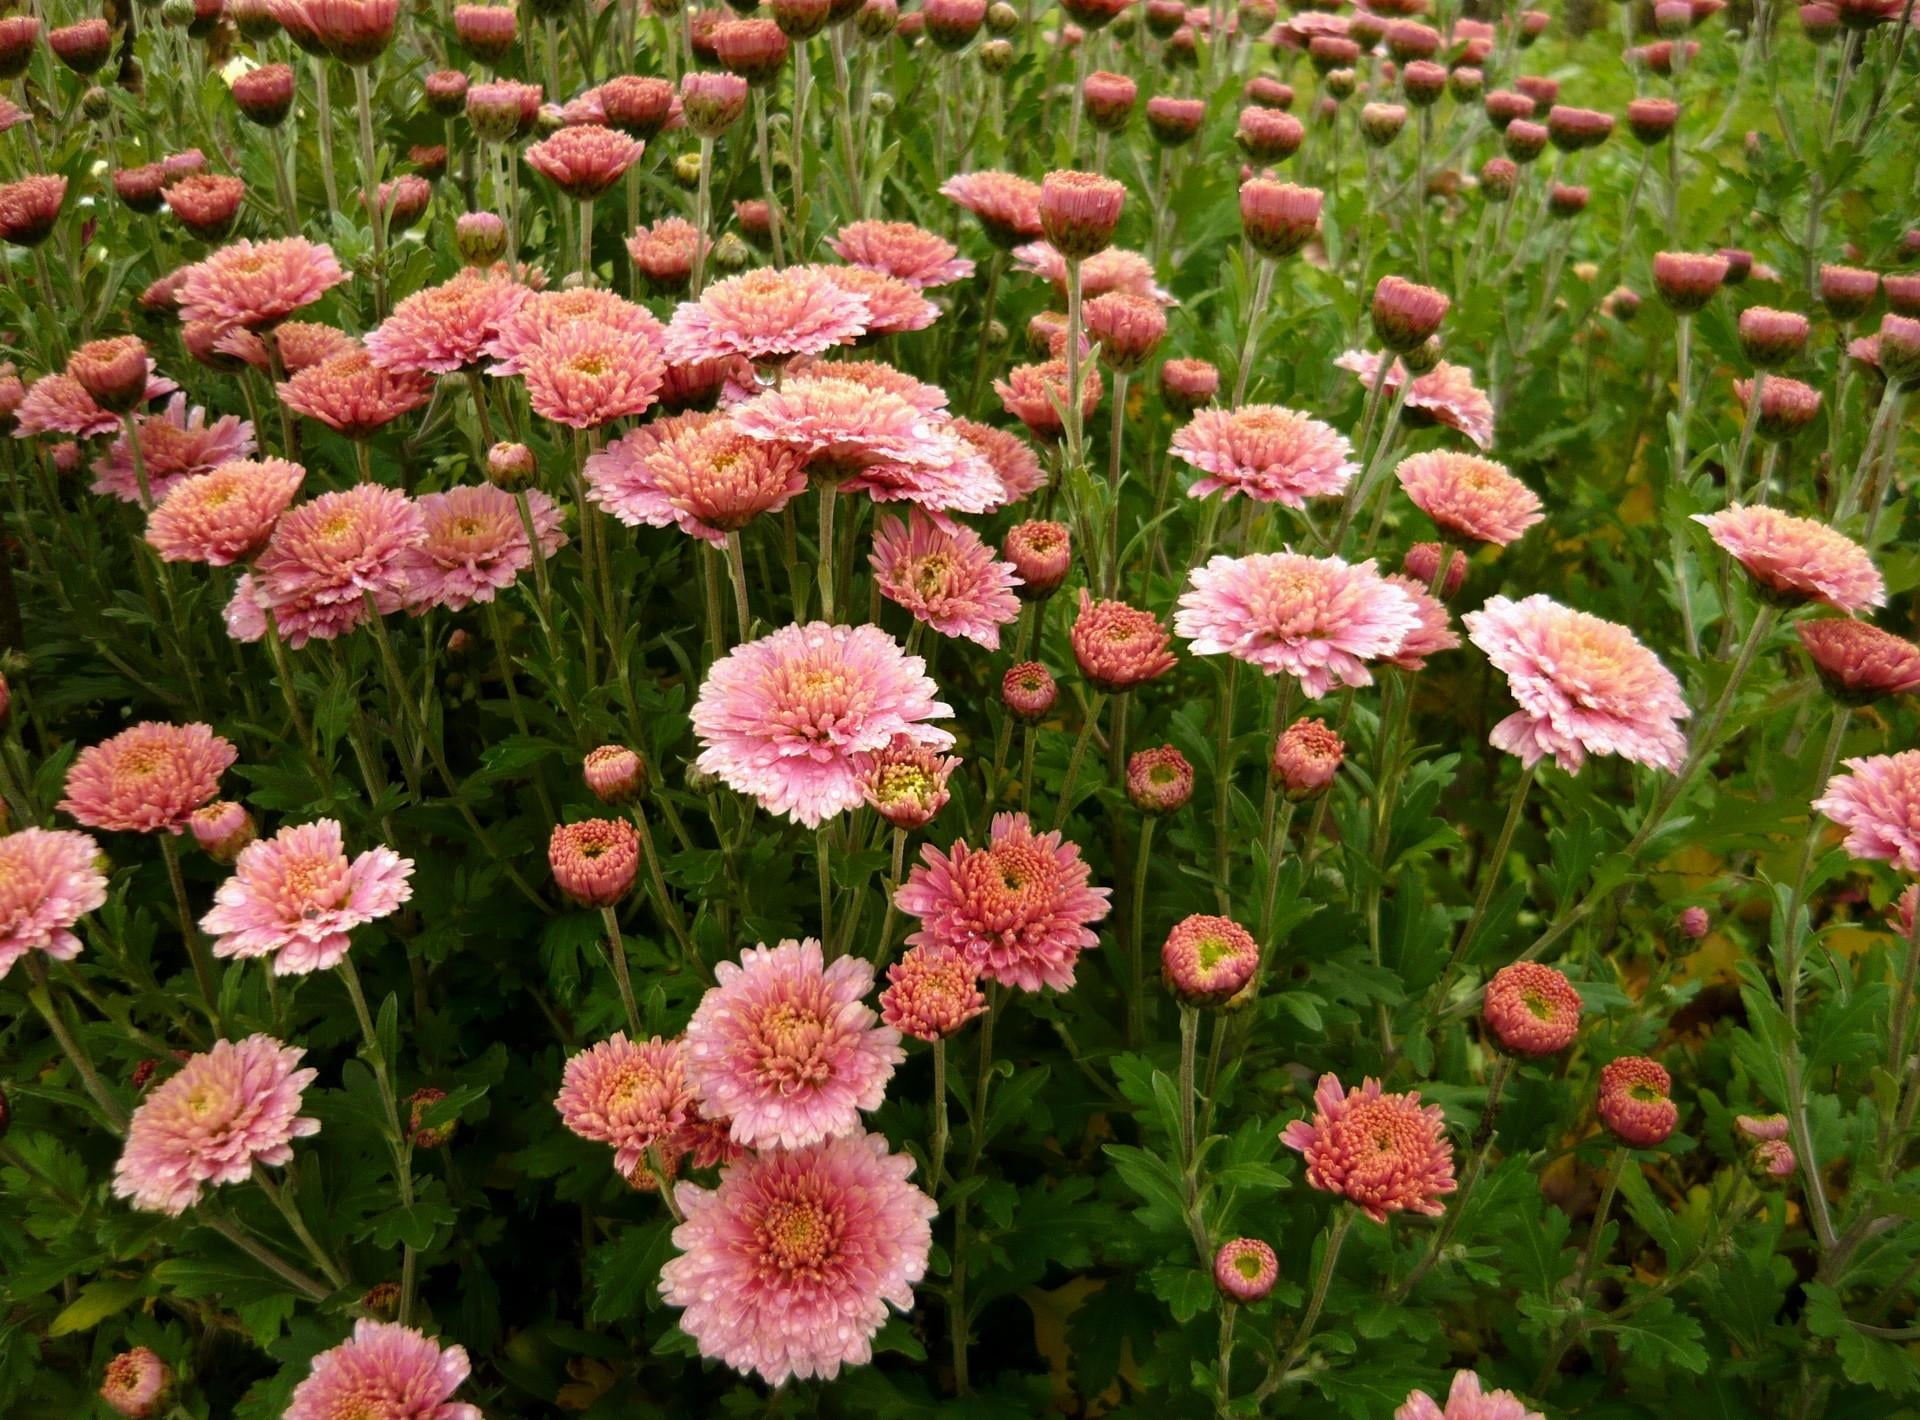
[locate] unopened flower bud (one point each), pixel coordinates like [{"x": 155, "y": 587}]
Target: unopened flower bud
[
  {"x": 1406, "y": 313},
  {"x": 481, "y": 238},
  {"x": 1772, "y": 338},
  {"x": 1245, "y": 1270},
  {"x": 510, "y": 466},
  {"x": 1041, "y": 554},
  {"x": 1306, "y": 757},
  {"x": 614, "y": 774},
  {"x": 1028, "y": 691},
  {"x": 1207, "y": 960},
  {"x": 222, "y": 829},
  {"x": 1159, "y": 781}
]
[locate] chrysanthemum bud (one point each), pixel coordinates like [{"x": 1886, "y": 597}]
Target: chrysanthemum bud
[
  {"x": 1079, "y": 211},
  {"x": 800, "y": 20},
  {"x": 1339, "y": 84},
  {"x": 1041, "y": 554},
  {"x": 614, "y": 774},
  {"x": 82, "y": 47},
  {"x": 877, "y": 19},
  {"x": 222, "y": 829},
  {"x": 1380, "y": 124},
  {"x": 1857, "y": 661},
  {"x": 1786, "y": 406},
  {"x": 1245, "y": 1270},
  {"x": 1423, "y": 82},
  {"x": 997, "y": 56},
  {"x": 1159, "y": 781},
  {"x": 113, "y": 372},
  {"x": 1651, "y": 120},
  {"x": 1544, "y": 92},
  {"x": 1566, "y": 201},
  {"x": 1207, "y": 961},
  {"x": 207, "y": 204},
  {"x": 906, "y": 783},
  {"x": 447, "y": 92},
  {"x": 1127, "y": 327},
  {"x": 952, "y": 24},
  {"x": 931, "y": 992},
  {"x": 1623, "y": 304},
  {"x": 510, "y": 466},
  {"x": 1173, "y": 121},
  {"x": 1306, "y": 757},
  {"x": 1531, "y": 1009},
  {"x": 1330, "y": 52},
  {"x": 1772, "y": 338},
  {"x": 1686, "y": 281},
  {"x": 487, "y": 32},
  {"x": 1498, "y": 177},
  {"x": 1902, "y": 292},
  {"x": 481, "y": 238},
  {"x": 1465, "y": 83},
  {"x": 1694, "y": 923},
  {"x": 265, "y": 95},
  {"x": 18, "y": 36},
  {"x": 1002, "y": 18},
  {"x": 1848, "y": 291},
  {"x": 1405, "y": 313},
  {"x": 1187, "y": 385},
  {"x": 1163, "y": 17},
  {"x": 1899, "y": 350},
  {"x": 1525, "y": 140},
  {"x": 1635, "y": 1103},
  {"x": 1269, "y": 92},
  {"x": 595, "y": 861},
  {"x": 1279, "y": 218},
  {"x": 1028, "y": 691},
  {"x": 1819, "y": 22},
  {"x": 755, "y": 49},
  {"x": 136, "y": 1384},
  {"x": 1503, "y": 106}
]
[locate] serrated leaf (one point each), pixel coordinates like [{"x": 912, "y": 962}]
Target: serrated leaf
[{"x": 97, "y": 1301}]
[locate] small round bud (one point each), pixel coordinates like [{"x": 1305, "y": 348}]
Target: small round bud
[
  {"x": 1848, "y": 291},
  {"x": 95, "y": 102},
  {"x": 614, "y": 774},
  {"x": 1002, "y": 18},
  {"x": 1159, "y": 781},
  {"x": 686, "y": 171},
  {"x": 113, "y": 372},
  {"x": 1498, "y": 177},
  {"x": 1635, "y": 1102},
  {"x": 1041, "y": 554},
  {"x": 1405, "y": 313},
  {"x": 730, "y": 253},
  {"x": 1188, "y": 385},
  {"x": 481, "y": 238},
  {"x": 1306, "y": 757},
  {"x": 1531, "y": 1009},
  {"x": 222, "y": 829},
  {"x": 595, "y": 861},
  {"x": 1245, "y": 1270},
  {"x": 1079, "y": 211},
  {"x": 997, "y": 56},
  {"x": 1525, "y": 140},
  {"x": 1207, "y": 961},
  {"x": 1028, "y": 691},
  {"x": 1380, "y": 124},
  {"x": 1174, "y": 121},
  {"x": 1686, "y": 281}
]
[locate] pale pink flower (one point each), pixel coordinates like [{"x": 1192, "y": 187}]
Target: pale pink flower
[
  {"x": 49, "y": 880},
  {"x": 587, "y": 373},
  {"x": 1466, "y": 1401},
  {"x": 1014, "y": 462},
  {"x": 1007, "y": 205},
  {"x": 697, "y": 472},
  {"x": 175, "y": 444},
  {"x": 787, "y": 1267},
  {"x": 1019, "y": 910},
  {"x": 135, "y": 1383},
  {"x": 632, "y": 1095},
  {"x": 900, "y": 249},
  {"x": 227, "y": 1110},
  {"x": 225, "y": 515},
  {"x": 255, "y": 284},
  {"x": 539, "y": 315},
  {"x": 1384, "y": 1153},
  {"x": 1318, "y": 619},
  {"x": 784, "y": 719},
  {"x": 57, "y": 404},
  {"x": 352, "y": 395},
  {"x": 446, "y": 328},
  {"x": 894, "y": 307},
  {"x": 475, "y": 544},
  {"x": 785, "y": 1047},
  {"x": 948, "y": 579},
  {"x": 1878, "y": 804},
  {"x": 1795, "y": 560},
  {"x": 931, "y": 993},
  {"x": 1444, "y": 395},
  {"x": 768, "y": 316},
  {"x": 329, "y": 555},
  {"x": 1114, "y": 269},
  {"x": 839, "y": 426},
  {"x": 1433, "y": 635},
  {"x": 875, "y": 375},
  {"x": 384, "y": 1371},
  {"x": 296, "y": 897},
  {"x": 1469, "y": 498},
  {"x": 147, "y": 779},
  {"x": 1271, "y": 454},
  {"x": 1585, "y": 686}
]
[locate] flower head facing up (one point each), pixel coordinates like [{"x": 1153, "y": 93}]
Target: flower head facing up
[
  {"x": 947, "y": 578},
  {"x": 296, "y": 897},
  {"x": 1878, "y": 803},
  {"x": 931, "y": 992},
  {"x": 49, "y": 880},
  {"x": 1857, "y": 661},
  {"x": 1159, "y": 780},
  {"x": 1007, "y": 206},
  {"x": 327, "y": 557},
  {"x": 225, "y": 515},
  {"x": 900, "y": 249},
  {"x": 258, "y": 284},
  {"x": 1445, "y": 395},
  {"x": 906, "y": 783},
  {"x": 1532, "y": 1009},
  {"x": 595, "y": 861},
  {"x": 1245, "y": 1270},
  {"x": 1466, "y": 1401},
  {"x": 1634, "y": 1101},
  {"x": 1118, "y": 646},
  {"x": 1793, "y": 560},
  {"x": 1385, "y": 1153},
  {"x": 786, "y": 1269},
  {"x": 768, "y": 316},
  {"x": 784, "y": 1046},
  {"x": 1270, "y": 454},
  {"x": 446, "y": 328},
  {"x": 147, "y": 779},
  {"x": 632, "y": 1095},
  {"x": 1019, "y": 910},
  {"x": 175, "y": 444},
  {"x": 1585, "y": 686},
  {"x": 227, "y": 1110},
  {"x": 1207, "y": 961},
  {"x": 698, "y": 472},
  {"x": 1318, "y": 619},
  {"x": 384, "y": 1371},
  {"x": 586, "y": 373},
  {"x": 352, "y": 395},
  {"x": 135, "y": 1383},
  {"x": 585, "y": 160},
  {"x": 475, "y": 544},
  {"x": 1470, "y": 499},
  {"x": 59, "y": 404},
  {"x": 784, "y": 719}
]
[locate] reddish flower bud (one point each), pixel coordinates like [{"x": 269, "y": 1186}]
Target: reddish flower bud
[
  {"x": 1187, "y": 385},
  {"x": 637, "y": 105},
  {"x": 1159, "y": 781},
  {"x": 29, "y": 208},
  {"x": 1269, "y": 92},
  {"x": 1848, "y": 291},
  {"x": 753, "y": 49},
  {"x": 113, "y": 372},
  {"x": 487, "y": 32},
  {"x": 1423, "y": 82},
  {"x": 595, "y": 861},
  {"x": 207, "y": 204},
  {"x": 712, "y": 103},
  {"x": 1899, "y": 349},
  {"x": 510, "y": 466},
  {"x": 1127, "y": 327},
  {"x": 18, "y": 35},
  {"x": 1686, "y": 281},
  {"x": 1525, "y": 140},
  {"x": 1573, "y": 129},
  {"x": 614, "y": 773},
  {"x": 1330, "y": 52},
  {"x": 222, "y": 829},
  {"x": 1405, "y": 313},
  {"x": 1207, "y": 960},
  {"x": 1634, "y": 1101},
  {"x": 1174, "y": 121},
  {"x": 1503, "y": 106},
  {"x": 1306, "y": 757},
  {"x": 1531, "y": 1009},
  {"x": 1245, "y": 1270},
  {"x": 1498, "y": 177},
  {"x": 481, "y": 238},
  {"x": 1079, "y": 211},
  {"x": 265, "y": 95},
  {"x": 1772, "y": 338},
  {"x": 1422, "y": 564},
  {"x": 446, "y": 92},
  {"x": 1694, "y": 923},
  {"x": 801, "y": 20},
  {"x": 1380, "y": 124},
  {"x": 1786, "y": 406},
  {"x": 1028, "y": 691},
  {"x": 1041, "y": 554},
  {"x": 1109, "y": 100},
  {"x": 1565, "y": 201},
  {"x": 82, "y": 47},
  {"x": 141, "y": 188}
]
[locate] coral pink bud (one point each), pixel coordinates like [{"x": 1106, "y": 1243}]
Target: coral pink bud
[
  {"x": 265, "y": 95},
  {"x": 1423, "y": 82},
  {"x": 1819, "y": 23},
  {"x": 1330, "y": 52},
  {"x": 1573, "y": 129},
  {"x": 1174, "y": 121},
  {"x": 1187, "y": 385},
  {"x": 585, "y": 160},
  {"x": 1694, "y": 923},
  {"x": 1128, "y": 328},
  {"x": 1543, "y": 91},
  {"x": 1899, "y": 350},
  {"x": 1165, "y": 17},
  {"x": 1498, "y": 176},
  {"x": 1405, "y": 314},
  {"x": 29, "y": 208},
  {"x": 18, "y": 35},
  {"x": 1857, "y": 661},
  {"x": 1109, "y": 99},
  {"x": 1565, "y": 201},
  {"x": 502, "y": 109},
  {"x": 141, "y": 188},
  {"x": 1739, "y": 265},
  {"x": 1465, "y": 83},
  {"x": 403, "y": 200},
  {"x": 1525, "y": 140},
  {"x": 712, "y": 103},
  {"x": 1503, "y": 106},
  {"x": 1672, "y": 18},
  {"x": 931, "y": 993},
  {"x": 1159, "y": 781},
  {"x": 1041, "y": 554},
  {"x": 1408, "y": 40},
  {"x": 595, "y": 861},
  {"x": 1422, "y": 564},
  {"x": 1847, "y": 291},
  {"x": 1771, "y": 338},
  {"x": 1622, "y": 303},
  {"x": 1634, "y": 1101},
  {"x": 1207, "y": 961},
  {"x": 614, "y": 774},
  {"x": 753, "y": 49},
  {"x": 207, "y": 204},
  {"x": 952, "y": 24},
  {"x": 355, "y": 32},
  {"x": 1118, "y": 647},
  {"x": 1532, "y": 1009},
  {"x": 1028, "y": 691},
  {"x": 481, "y": 238},
  {"x": 1278, "y": 218},
  {"x": 1786, "y": 406},
  {"x": 1686, "y": 281},
  {"x": 1245, "y": 1270},
  {"x": 222, "y": 829},
  {"x": 1268, "y": 135},
  {"x": 1774, "y": 1158},
  {"x": 636, "y": 104},
  {"x": 1079, "y": 211},
  {"x": 1380, "y": 124},
  {"x": 113, "y": 372},
  {"x": 1902, "y": 293},
  {"x": 1533, "y": 24},
  {"x": 82, "y": 47},
  {"x": 1306, "y": 757},
  {"x": 487, "y": 32},
  {"x": 1269, "y": 92},
  {"x": 446, "y": 92},
  {"x": 135, "y": 1383}
]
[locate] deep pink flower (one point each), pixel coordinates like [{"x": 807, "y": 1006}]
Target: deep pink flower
[
  {"x": 1470, "y": 499},
  {"x": 1795, "y": 560},
  {"x": 147, "y": 779},
  {"x": 1634, "y": 1101},
  {"x": 587, "y": 373},
  {"x": 900, "y": 249},
  {"x": 227, "y": 1110},
  {"x": 56, "y": 404},
  {"x": 1466, "y": 1401},
  {"x": 784, "y": 719},
  {"x": 630, "y": 1094},
  {"x": 1384, "y": 1153},
  {"x": 225, "y": 515},
  {"x": 296, "y": 897},
  {"x": 1585, "y": 686},
  {"x": 1532, "y": 1009},
  {"x": 446, "y": 328},
  {"x": 384, "y": 1372},
  {"x": 784, "y": 1046},
  {"x": 1878, "y": 804},
  {"x": 350, "y": 394},
  {"x": 174, "y": 444},
  {"x": 1318, "y": 619},
  {"x": 697, "y": 472},
  {"x": 1444, "y": 395},
  {"x": 327, "y": 556},
  {"x": 1270, "y": 454},
  {"x": 948, "y": 579},
  {"x": 594, "y": 861},
  {"x": 931, "y": 993},
  {"x": 787, "y": 1267},
  {"x": 475, "y": 544},
  {"x": 1117, "y": 646},
  {"x": 49, "y": 880},
  {"x": 768, "y": 316},
  {"x": 254, "y": 284},
  {"x": 1019, "y": 910}
]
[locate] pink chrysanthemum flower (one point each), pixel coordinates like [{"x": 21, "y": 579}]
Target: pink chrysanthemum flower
[
  {"x": 57, "y": 404},
  {"x": 1434, "y": 633},
  {"x": 894, "y": 307},
  {"x": 1470, "y": 499},
  {"x": 931, "y": 993},
  {"x": 587, "y": 373},
  {"x": 906, "y": 783},
  {"x": 147, "y": 779},
  {"x": 1384, "y": 1153},
  {"x": 1270, "y": 454},
  {"x": 1878, "y": 804},
  {"x": 350, "y": 394},
  {"x": 49, "y": 880},
  {"x": 475, "y": 544},
  {"x": 1444, "y": 395},
  {"x": 1318, "y": 619},
  {"x": 175, "y": 444},
  {"x": 1114, "y": 270},
  {"x": 1585, "y": 686},
  {"x": 1794, "y": 560},
  {"x": 630, "y": 1094},
  {"x": 446, "y": 328},
  {"x": 296, "y": 897},
  {"x": 784, "y": 1046},
  {"x": 1857, "y": 661},
  {"x": 784, "y": 719},
  {"x": 1007, "y": 205},
  {"x": 534, "y": 320},
  {"x": 227, "y": 1110},
  {"x": 875, "y": 375},
  {"x": 299, "y": 343},
  {"x": 1245, "y": 1270},
  {"x": 948, "y": 579},
  {"x": 839, "y": 426},
  {"x": 697, "y": 472},
  {"x": 1208, "y": 960},
  {"x": 664, "y": 253},
  {"x": 135, "y": 1383},
  {"x": 226, "y": 515},
  {"x": 768, "y": 316},
  {"x": 1635, "y": 1101},
  {"x": 787, "y": 1267},
  {"x": 329, "y": 555},
  {"x": 254, "y": 284},
  {"x": 595, "y": 860},
  {"x": 1015, "y": 464},
  {"x": 900, "y": 249},
  {"x": 384, "y": 1371},
  {"x": 1117, "y": 646},
  {"x": 1466, "y": 1401},
  {"x": 584, "y": 160},
  {"x": 245, "y": 613},
  {"x": 1036, "y": 394},
  {"x": 1532, "y": 1009},
  {"x": 1019, "y": 910},
  {"x": 946, "y": 475}
]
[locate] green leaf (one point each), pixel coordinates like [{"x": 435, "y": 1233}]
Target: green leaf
[
  {"x": 1150, "y": 1176},
  {"x": 97, "y": 1301},
  {"x": 1187, "y": 1291},
  {"x": 1661, "y": 1335},
  {"x": 624, "y": 1269}
]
